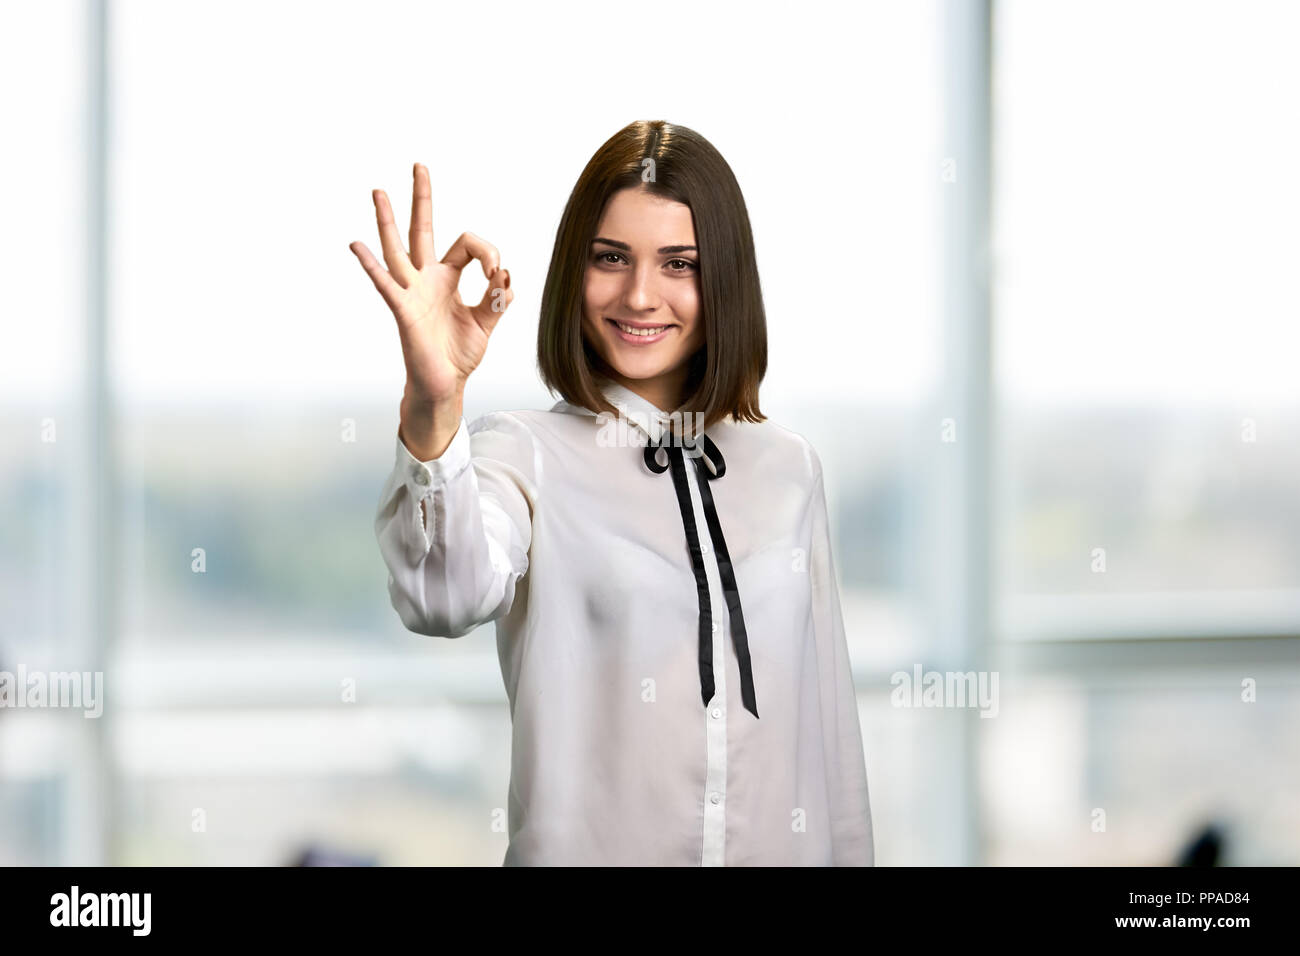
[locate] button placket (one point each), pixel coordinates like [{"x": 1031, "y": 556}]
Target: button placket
[
  {"x": 699, "y": 518},
  {"x": 715, "y": 716}
]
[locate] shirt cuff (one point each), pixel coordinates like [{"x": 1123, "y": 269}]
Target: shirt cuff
[{"x": 421, "y": 477}]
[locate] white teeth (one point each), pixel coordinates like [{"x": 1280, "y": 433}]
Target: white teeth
[{"x": 631, "y": 331}]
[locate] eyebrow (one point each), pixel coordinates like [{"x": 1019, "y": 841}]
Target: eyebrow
[{"x": 663, "y": 250}]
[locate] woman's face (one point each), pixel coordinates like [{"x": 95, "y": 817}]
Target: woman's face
[{"x": 643, "y": 271}]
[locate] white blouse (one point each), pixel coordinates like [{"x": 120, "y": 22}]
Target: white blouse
[{"x": 611, "y": 628}]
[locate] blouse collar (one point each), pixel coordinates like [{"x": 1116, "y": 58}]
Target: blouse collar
[{"x": 638, "y": 411}]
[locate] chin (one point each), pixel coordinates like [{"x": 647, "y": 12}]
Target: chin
[{"x": 635, "y": 368}]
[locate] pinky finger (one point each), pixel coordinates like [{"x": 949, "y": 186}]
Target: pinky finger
[{"x": 384, "y": 282}]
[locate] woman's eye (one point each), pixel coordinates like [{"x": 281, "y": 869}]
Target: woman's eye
[{"x": 617, "y": 258}]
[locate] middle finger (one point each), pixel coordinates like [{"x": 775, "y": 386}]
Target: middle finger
[{"x": 421, "y": 218}]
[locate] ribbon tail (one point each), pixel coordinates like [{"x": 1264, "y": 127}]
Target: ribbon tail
[
  {"x": 739, "y": 637},
  {"x": 680, "y": 485},
  {"x": 706, "y": 668},
  {"x": 741, "y": 641}
]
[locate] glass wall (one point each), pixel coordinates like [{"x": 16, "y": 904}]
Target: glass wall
[{"x": 1149, "y": 561}]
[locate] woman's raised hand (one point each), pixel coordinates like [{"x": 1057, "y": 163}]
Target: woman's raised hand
[{"x": 443, "y": 339}]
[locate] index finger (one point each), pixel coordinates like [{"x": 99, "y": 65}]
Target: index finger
[
  {"x": 470, "y": 246},
  {"x": 399, "y": 265}
]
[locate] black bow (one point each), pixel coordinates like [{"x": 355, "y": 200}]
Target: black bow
[{"x": 676, "y": 459}]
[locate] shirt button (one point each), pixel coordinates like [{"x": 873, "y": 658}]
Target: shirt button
[
  {"x": 717, "y": 712},
  {"x": 704, "y": 548},
  {"x": 421, "y": 477},
  {"x": 715, "y": 627},
  {"x": 715, "y": 797}
]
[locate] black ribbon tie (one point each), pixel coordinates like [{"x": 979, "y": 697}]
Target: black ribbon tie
[{"x": 676, "y": 461}]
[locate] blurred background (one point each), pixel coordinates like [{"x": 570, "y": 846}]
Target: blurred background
[{"x": 1030, "y": 275}]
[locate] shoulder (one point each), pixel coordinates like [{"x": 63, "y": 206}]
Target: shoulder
[
  {"x": 775, "y": 446},
  {"x": 530, "y": 428},
  {"x": 504, "y": 435},
  {"x": 532, "y": 422},
  {"x": 499, "y": 421}
]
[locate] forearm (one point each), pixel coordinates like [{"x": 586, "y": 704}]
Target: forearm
[{"x": 458, "y": 568}]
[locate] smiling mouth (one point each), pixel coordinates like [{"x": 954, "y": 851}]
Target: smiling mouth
[{"x": 637, "y": 332}]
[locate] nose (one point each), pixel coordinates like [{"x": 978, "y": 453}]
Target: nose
[{"x": 642, "y": 292}]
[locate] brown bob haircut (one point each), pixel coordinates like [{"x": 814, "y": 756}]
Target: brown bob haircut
[{"x": 679, "y": 164}]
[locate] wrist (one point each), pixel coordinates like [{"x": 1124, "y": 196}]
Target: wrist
[
  {"x": 419, "y": 400},
  {"x": 428, "y": 425}
]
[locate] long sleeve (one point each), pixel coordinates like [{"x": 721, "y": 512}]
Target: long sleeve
[
  {"x": 851, "y": 830},
  {"x": 457, "y": 566}
]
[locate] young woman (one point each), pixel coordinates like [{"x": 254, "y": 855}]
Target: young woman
[{"x": 655, "y": 554}]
